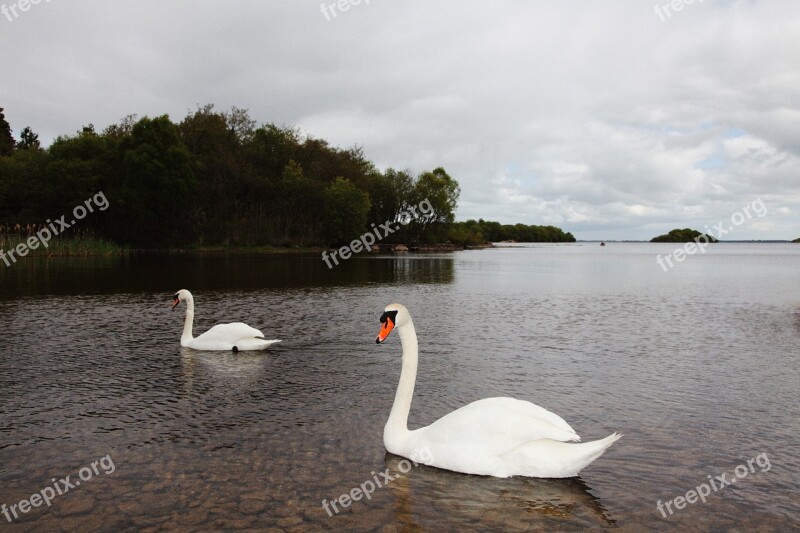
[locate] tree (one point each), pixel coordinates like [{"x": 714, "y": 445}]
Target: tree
[
  {"x": 481, "y": 231},
  {"x": 78, "y": 167},
  {"x": 26, "y": 194},
  {"x": 390, "y": 193},
  {"x": 271, "y": 149},
  {"x": 215, "y": 178},
  {"x": 215, "y": 151},
  {"x": 240, "y": 124},
  {"x": 28, "y": 140},
  {"x": 346, "y": 209},
  {"x": 442, "y": 192},
  {"x": 122, "y": 129},
  {"x": 6, "y": 139},
  {"x": 153, "y": 200}
]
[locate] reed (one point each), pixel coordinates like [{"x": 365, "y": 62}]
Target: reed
[{"x": 73, "y": 242}]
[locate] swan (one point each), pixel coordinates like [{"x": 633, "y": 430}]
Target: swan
[
  {"x": 230, "y": 337},
  {"x": 499, "y": 437}
]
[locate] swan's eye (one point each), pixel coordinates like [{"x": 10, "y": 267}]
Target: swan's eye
[{"x": 389, "y": 315}]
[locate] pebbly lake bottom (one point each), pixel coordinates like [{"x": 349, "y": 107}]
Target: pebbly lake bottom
[{"x": 697, "y": 367}]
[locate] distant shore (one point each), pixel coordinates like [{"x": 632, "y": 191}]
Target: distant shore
[{"x": 97, "y": 248}]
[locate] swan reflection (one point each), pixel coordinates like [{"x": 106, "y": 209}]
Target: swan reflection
[
  {"x": 223, "y": 368},
  {"x": 489, "y": 502}
]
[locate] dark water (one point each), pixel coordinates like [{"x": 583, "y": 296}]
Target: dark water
[{"x": 697, "y": 366}]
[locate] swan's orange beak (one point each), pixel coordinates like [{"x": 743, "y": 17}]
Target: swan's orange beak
[
  {"x": 175, "y": 303},
  {"x": 386, "y": 328}
]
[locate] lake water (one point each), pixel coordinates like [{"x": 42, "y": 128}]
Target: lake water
[{"x": 697, "y": 367}]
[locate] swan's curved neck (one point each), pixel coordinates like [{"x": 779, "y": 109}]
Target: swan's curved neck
[
  {"x": 187, "y": 324},
  {"x": 397, "y": 425}
]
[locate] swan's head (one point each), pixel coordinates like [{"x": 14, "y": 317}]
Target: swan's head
[
  {"x": 394, "y": 316},
  {"x": 180, "y": 296}
]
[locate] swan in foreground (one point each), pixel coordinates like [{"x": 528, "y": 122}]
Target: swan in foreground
[
  {"x": 229, "y": 337},
  {"x": 499, "y": 437}
]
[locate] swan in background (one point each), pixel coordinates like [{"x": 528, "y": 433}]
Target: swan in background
[
  {"x": 499, "y": 437},
  {"x": 229, "y": 337}
]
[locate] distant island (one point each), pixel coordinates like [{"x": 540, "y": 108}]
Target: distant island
[
  {"x": 796, "y": 240},
  {"x": 477, "y": 232},
  {"x": 683, "y": 235}
]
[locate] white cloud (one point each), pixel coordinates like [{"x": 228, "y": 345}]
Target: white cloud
[{"x": 594, "y": 116}]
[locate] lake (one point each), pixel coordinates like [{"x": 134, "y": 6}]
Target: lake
[{"x": 697, "y": 366}]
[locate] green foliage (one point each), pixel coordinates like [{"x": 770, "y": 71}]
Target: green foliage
[
  {"x": 217, "y": 179},
  {"x": 121, "y": 130},
  {"x": 461, "y": 234},
  {"x": 442, "y": 192},
  {"x": 390, "y": 194},
  {"x": 477, "y": 232},
  {"x": 346, "y": 210},
  {"x": 6, "y": 139},
  {"x": 682, "y": 235},
  {"x": 154, "y": 191},
  {"x": 28, "y": 140}
]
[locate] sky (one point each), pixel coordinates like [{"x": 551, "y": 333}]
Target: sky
[{"x": 615, "y": 120}]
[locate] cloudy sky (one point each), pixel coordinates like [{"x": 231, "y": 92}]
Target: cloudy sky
[{"x": 613, "y": 120}]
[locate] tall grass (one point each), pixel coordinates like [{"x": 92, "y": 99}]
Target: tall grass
[{"x": 73, "y": 242}]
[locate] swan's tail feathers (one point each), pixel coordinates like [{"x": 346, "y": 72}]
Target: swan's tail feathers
[
  {"x": 550, "y": 458},
  {"x": 255, "y": 344}
]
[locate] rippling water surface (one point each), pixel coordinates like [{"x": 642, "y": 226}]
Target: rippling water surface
[{"x": 697, "y": 367}]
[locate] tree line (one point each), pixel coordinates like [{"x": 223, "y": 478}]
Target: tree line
[
  {"x": 474, "y": 232},
  {"x": 217, "y": 179},
  {"x": 683, "y": 235}
]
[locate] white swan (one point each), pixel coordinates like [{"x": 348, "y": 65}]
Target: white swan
[
  {"x": 229, "y": 337},
  {"x": 499, "y": 437}
]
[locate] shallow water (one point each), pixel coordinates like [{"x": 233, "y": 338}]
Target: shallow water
[{"x": 697, "y": 367}]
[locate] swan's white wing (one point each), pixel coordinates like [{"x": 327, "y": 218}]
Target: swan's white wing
[
  {"x": 512, "y": 421},
  {"x": 231, "y": 333},
  {"x": 226, "y": 336},
  {"x": 255, "y": 344},
  {"x": 492, "y": 427},
  {"x": 547, "y": 458},
  {"x": 476, "y": 438},
  {"x": 531, "y": 410}
]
